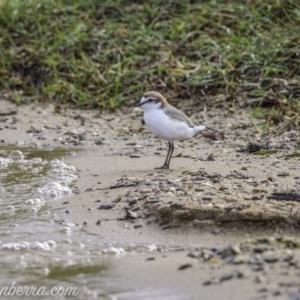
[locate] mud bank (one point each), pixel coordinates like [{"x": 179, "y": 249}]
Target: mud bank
[{"x": 208, "y": 216}]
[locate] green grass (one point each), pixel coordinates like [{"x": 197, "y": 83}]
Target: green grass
[{"x": 104, "y": 54}]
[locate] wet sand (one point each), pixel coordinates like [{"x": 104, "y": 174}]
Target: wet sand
[{"x": 215, "y": 218}]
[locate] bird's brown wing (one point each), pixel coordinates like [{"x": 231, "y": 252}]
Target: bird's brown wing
[
  {"x": 208, "y": 132},
  {"x": 176, "y": 114}
]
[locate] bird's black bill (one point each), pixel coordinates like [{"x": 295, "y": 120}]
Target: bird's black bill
[{"x": 138, "y": 104}]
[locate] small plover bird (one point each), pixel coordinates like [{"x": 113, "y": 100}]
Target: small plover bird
[{"x": 167, "y": 122}]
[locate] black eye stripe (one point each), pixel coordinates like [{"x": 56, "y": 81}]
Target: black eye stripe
[{"x": 149, "y": 100}]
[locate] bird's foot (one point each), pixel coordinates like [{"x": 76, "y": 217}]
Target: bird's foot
[{"x": 164, "y": 166}]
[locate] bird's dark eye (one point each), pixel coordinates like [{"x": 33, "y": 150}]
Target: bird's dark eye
[{"x": 150, "y": 100}]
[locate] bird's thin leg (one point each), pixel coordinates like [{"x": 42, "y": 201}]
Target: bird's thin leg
[
  {"x": 171, "y": 146},
  {"x": 168, "y": 158}
]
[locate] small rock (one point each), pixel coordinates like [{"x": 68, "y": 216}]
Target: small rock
[
  {"x": 145, "y": 191},
  {"x": 260, "y": 279},
  {"x": 215, "y": 231},
  {"x": 294, "y": 295},
  {"x": 184, "y": 267},
  {"x": 260, "y": 248},
  {"x": 193, "y": 255},
  {"x": 289, "y": 255},
  {"x": 210, "y": 157},
  {"x": 275, "y": 292},
  {"x": 150, "y": 258},
  {"x": 257, "y": 268},
  {"x": 210, "y": 281},
  {"x": 207, "y": 254},
  {"x": 169, "y": 195},
  {"x": 283, "y": 174},
  {"x": 270, "y": 257},
  {"x": 240, "y": 259},
  {"x": 174, "y": 181},
  {"x": 226, "y": 251},
  {"x": 134, "y": 156},
  {"x": 107, "y": 206},
  {"x": 99, "y": 141},
  {"x": 131, "y": 214},
  {"x": 231, "y": 274}
]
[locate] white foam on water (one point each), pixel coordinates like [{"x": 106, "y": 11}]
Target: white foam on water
[
  {"x": 16, "y": 155},
  {"x": 62, "y": 171},
  {"x": 141, "y": 248},
  {"x": 29, "y": 246},
  {"x": 54, "y": 190},
  {"x": 8, "y": 210},
  {"x": 4, "y": 162},
  {"x": 116, "y": 251},
  {"x": 35, "y": 204},
  {"x": 28, "y": 183},
  {"x": 64, "y": 175},
  {"x": 66, "y": 229}
]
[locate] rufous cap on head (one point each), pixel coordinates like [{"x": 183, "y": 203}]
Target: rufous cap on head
[{"x": 157, "y": 96}]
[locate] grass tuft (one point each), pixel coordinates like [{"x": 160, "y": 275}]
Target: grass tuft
[{"x": 104, "y": 54}]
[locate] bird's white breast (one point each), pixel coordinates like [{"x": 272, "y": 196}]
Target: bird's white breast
[{"x": 166, "y": 128}]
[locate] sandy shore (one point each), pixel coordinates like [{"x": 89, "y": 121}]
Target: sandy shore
[{"x": 224, "y": 220}]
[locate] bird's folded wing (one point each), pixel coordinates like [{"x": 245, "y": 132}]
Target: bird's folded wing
[{"x": 178, "y": 115}]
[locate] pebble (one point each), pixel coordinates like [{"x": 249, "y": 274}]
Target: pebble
[
  {"x": 107, "y": 206},
  {"x": 174, "y": 181},
  {"x": 283, "y": 174},
  {"x": 150, "y": 258},
  {"x": 226, "y": 251},
  {"x": 210, "y": 282},
  {"x": 210, "y": 157},
  {"x": 289, "y": 255},
  {"x": 66, "y": 229},
  {"x": 145, "y": 190},
  {"x": 218, "y": 205},
  {"x": 131, "y": 214},
  {"x": 184, "y": 267},
  {"x": 207, "y": 254},
  {"x": 215, "y": 231},
  {"x": 260, "y": 279},
  {"x": 132, "y": 201},
  {"x": 270, "y": 256},
  {"x": 294, "y": 295},
  {"x": 260, "y": 248},
  {"x": 169, "y": 195},
  {"x": 255, "y": 259},
  {"x": 230, "y": 275},
  {"x": 99, "y": 141},
  {"x": 257, "y": 268},
  {"x": 240, "y": 259},
  {"x": 134, "y": 156}
]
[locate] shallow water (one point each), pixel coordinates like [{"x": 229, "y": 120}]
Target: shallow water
[
  {"x": 35, "y": 247},
  {"x": 39, "y": 251}
]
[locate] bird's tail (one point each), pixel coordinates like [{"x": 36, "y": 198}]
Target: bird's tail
[{"x": 209, "y": 133}]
